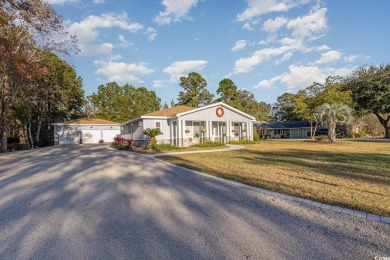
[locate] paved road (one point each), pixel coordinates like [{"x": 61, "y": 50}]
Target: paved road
[{"x": 92, "y": 202}]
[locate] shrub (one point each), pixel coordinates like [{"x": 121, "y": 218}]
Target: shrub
[
  {"x": 256, "y": 136},
  {"x": 164, "y": 147},
  {"x": 16, "y": 146},
  {"x": 242, "y": 142},
  {"x": 321, "y": 138},
  {"x": 209, "y": 144}
]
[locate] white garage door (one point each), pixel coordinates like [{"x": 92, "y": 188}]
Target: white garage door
[
  {"x": 69, "y": 137},
  {"x": 109, "y": 134},
  {"x": 91, "y": 136}
]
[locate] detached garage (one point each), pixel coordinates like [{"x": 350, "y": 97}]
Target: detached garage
[{"x": 89, "y": 131}]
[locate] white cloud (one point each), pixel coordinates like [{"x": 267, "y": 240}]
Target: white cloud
[
  {"x": 122, "y": 72},
  {"x": 240, "y": 44},
  {"x": 175, "y": 10},
  {"x": 273, "y": 25},
  {"x": 311, "y": 26},
  {"x": 60, "y": 2},
  {"x": 247, "y": 26},
  {"x": 303, "y": 76},
  {"x": 245, "y": 65},
  {"x": 99, "y": 1},
  {"x": 350, "y": 58},
  {"x": 285, "y": 57},
  {"x": 158, "y": 83},
  {"x": 259, "y": 7},
  {"x": 323, "y": 48},
  {"x": 151, "y": 33},
  {"x": 124, "y": 43},
  {"x": 179, "y": 68},
  {"x": 87, "y": 30},
  {"x": 328, "y": 57}
]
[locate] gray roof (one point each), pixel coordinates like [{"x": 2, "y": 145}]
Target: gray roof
[{"x": 281, "y": 125}]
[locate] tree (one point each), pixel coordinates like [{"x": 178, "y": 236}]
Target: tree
[
  {"x": 27, "y": 30},
  {"x": 283, "y": 109},
  {"x": 370, "y": 87},
  {"x": 333, "y": 114},
  {"x": 195, "y": 93},
  {"x": 119, "y": 104},
  {"x": 249, "y": 104},
  {"x": 333, "y": 91},
  {"x": 57, "y": 96},
  {"x": 229, "y": 94},
  {"x": 152, "y": 133}
]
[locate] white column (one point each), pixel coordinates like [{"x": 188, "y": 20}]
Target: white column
[
  {"x": 228, "y": 130},
  {"x": 179, "y": 132}
]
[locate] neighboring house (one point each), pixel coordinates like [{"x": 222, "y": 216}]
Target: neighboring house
[
  {"x": 278, "y": 129},
  {"x": 183, "y": 126},
  {"x": 89, "y": 131}
]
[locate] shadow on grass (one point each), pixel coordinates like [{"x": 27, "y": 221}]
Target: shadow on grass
[{"x": 374, "y": 168}]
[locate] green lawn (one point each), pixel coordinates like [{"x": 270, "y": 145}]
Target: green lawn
[{"x": 345, "y": 173}]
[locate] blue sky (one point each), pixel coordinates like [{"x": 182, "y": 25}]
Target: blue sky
[{"x": 268, "y": 47}]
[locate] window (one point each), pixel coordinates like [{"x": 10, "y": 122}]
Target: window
[{"x": 157, "y": 124}]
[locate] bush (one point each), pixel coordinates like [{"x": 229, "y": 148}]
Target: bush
[
  {"x": 209, "y": 144},
  {"x": 321, "y": 138},
  {"x": 164, "y": 147},
  {"x": 16, "y": 146},
  {"x": 256, "y": 136},
  {"x": 242, "y": 142},
  {"x": 13, "y": 140},
  {"x": 120, "y": 146}
]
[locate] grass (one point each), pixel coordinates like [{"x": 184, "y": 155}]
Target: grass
[
  {"x": 345, "y": 173},
  {"x": 209, "y": 144},
  {"x": 162, "y": 148}
]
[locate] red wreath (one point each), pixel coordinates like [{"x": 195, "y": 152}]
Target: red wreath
[{"x": 219, "y": 111}]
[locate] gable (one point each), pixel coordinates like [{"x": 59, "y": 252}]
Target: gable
[{"x": 216, "y": 112}]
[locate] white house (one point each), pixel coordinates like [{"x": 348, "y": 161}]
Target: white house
[
  {"x": 183, "y": 126},
  {"x": 89, "y": 131}
]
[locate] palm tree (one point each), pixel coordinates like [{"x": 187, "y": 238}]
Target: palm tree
[
  {"x": 333, "y": 114},
  {"x": 152, "y": 133}
]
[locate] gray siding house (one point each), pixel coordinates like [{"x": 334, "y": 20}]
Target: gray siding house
[
  {"x": 278, "y": 129},
  {"x": 184, "y": 126}
]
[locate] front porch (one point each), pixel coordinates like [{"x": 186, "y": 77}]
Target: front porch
[{"x": 187, "y": 133}]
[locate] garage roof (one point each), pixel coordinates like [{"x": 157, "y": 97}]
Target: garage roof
[{"x": 90, "y": 121}]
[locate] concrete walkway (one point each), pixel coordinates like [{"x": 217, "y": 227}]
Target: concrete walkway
[
  {"x": 92, "y": 202},
  {"x": 230, "y": 147}
]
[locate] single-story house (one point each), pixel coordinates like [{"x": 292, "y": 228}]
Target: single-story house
[
  {"x": 88, "y": 131},
  {"x": 279, "y": 129},
  {"x": 184, "y": 126}
]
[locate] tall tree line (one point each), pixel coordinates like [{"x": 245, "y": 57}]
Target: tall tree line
[
  {"x": 29, "y": 32},
  {"x": 366, "y": 91},
  {"x": 121, "y": 103}
]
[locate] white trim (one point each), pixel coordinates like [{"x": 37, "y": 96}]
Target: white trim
[
  {"x": 215, "y": 105},
  {"x": 61, "y": 124}
]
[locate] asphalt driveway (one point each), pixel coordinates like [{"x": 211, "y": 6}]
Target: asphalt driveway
[{"x": 92, "y": 202}]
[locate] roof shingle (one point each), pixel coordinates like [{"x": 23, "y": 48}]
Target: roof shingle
[
  {"x": 90, "y": 121},
  {"x": 170, "y": 111}
]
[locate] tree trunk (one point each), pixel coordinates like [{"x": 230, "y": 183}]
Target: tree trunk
[
  {"x": 332, "y": 132},
  {"x": 37, "y": 137},
  {"x": 25, "y": 136},
  {"x": 29, "y": 133},
  {"x": 385, "y": 123},
  {"x": 4, "y": 126}
]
